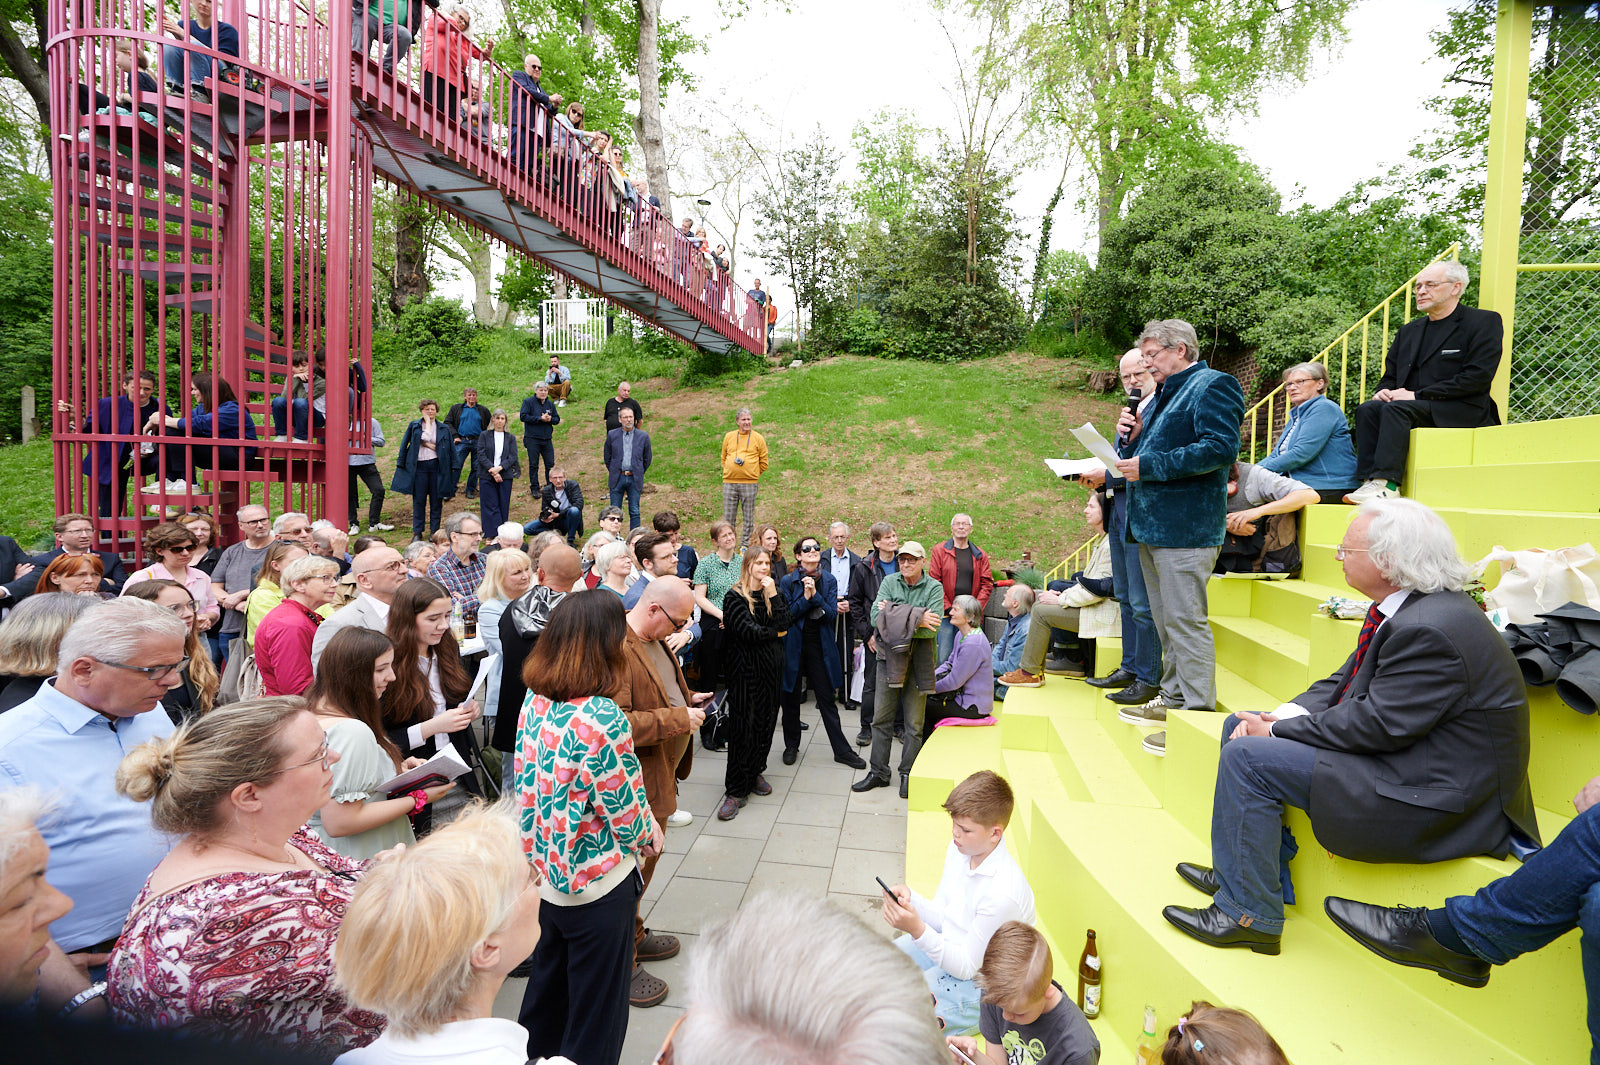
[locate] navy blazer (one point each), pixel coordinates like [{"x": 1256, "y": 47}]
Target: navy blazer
[
  {"x": 1425, "y": 758},
  {"x": 112, "y": 580},
  {"x": 827, "y": 597},
  {"x": 532, "y": 428},
  {"x": 405, "y": 463},
  {"x": 613, "y": 454},
  {"x": 483, "y": 450},
  {"x": 1454, "y": 374},
  {"x": 18, "y": 588},
  {"x": 1190, "y": 439},
  {"x": 125, "y": 421}
]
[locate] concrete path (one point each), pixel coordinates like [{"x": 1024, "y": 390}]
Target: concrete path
[{"x": 811, "y": 835}]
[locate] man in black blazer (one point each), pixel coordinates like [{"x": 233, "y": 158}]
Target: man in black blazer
[
  {"x": 1437, "y": 374},
  {"x": 1416, "y": 750},
  {"x": 18, "y": 573},
  {"x": 539, "y": 418},
  {"x": 75, "y": 536}
]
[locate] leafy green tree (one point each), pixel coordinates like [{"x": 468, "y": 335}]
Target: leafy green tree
[
  {"x": 25, "y": 291},
  {"x": 800, "y": 221}
]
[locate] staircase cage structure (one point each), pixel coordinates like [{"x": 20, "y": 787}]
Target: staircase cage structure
[{"x": 217, "y": 170}]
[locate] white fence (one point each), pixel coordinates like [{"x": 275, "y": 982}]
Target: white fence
[{"x": 573, "y": 327}]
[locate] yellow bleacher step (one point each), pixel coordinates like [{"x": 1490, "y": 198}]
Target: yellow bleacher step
[
  {"x": 950, "y": 756},
  {"x": 1572, "y": 485},
  {"x": 1092, "y": 764},
  {"x": 1273, "y": 659},
  {"x": 1326, "y": 999}
]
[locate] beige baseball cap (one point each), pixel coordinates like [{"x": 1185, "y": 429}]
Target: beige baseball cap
[{"x": 912, "y": 548}]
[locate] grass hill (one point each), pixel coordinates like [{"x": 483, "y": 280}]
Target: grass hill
[{"x": 856, "y": 439}]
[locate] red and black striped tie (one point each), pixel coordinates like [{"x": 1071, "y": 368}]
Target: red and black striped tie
[{"x": 1368, "y": 627}]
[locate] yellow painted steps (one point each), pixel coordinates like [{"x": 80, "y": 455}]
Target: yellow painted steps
[{"x": 1537, "y": 487}]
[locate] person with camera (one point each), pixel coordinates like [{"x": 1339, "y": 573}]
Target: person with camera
[
  {"x": 560, "y": 508},
  {"x": 744, "y": 460},
  {"x": 809, "y": 650}
]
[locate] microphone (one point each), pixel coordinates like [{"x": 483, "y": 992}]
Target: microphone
[{"x": 1133, "y": 401}]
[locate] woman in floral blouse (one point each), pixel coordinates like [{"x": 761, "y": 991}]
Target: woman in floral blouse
[
  {"x": 232, "y": 936},
  {"x": 585, "y": 824}
]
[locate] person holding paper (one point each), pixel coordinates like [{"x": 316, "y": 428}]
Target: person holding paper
[
  {"x": 427, "y": 700},
  {"x": 1183, "y": 445},
  {"x": 359, "y": 821},
  {"x": 1138, "y": 679}
]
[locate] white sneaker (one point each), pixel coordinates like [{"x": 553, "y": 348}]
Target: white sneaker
[
  {"x": 1377, "y": 488},
  {"x": 561, "y": 403},
  {"x": 178, "y": 487},
  {"x": 280, "y": 440},
  {"x": 679, "y": 817},
  {"x": 382, "y": 526},
  {"x": 355, "y": 530}
]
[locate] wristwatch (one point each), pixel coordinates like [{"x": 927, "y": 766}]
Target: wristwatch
[{"x": 88, "y": 994}]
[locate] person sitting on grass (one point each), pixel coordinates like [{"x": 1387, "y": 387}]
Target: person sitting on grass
[
  {"x": 981, "y": 889},
  {"x": 1085, "y": 607},
  {"x": 1025, "y": 1015}
]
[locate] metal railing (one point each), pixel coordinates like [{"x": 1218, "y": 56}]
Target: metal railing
[
  {"x": 572, "y": 327},
  {"x": 1073, "y": 562},
  {"x": 1344, "y": 387}
]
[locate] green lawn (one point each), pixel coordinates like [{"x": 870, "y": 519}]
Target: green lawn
[{"x": 857, "y": 439}]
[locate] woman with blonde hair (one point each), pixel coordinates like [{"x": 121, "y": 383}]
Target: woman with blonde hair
[
  {"x": 507, "y": 575},
  {"x": 30, "y": 639},
  {"x": 268, "y": 592},
  {"x": 232, "y": 934},
  {"x": 436, "y": 980},
  {"x": 201, "y": 681},
  {"x": 613, "y": 563},
  {"x": 754, "y": 619}
]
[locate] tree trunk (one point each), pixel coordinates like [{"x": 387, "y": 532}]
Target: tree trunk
[
  {"x": 648, "y": 124},
  {"x": 586, "y": 22},
  {"x": 26, "y": 70},
  {"x": 482, "y": 267},
  {"x": 410, "y": 255},
  {"x": 558, "y": 286}
]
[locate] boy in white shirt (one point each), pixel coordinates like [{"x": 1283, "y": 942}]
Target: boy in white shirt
[{"x": 980, "y": 889}]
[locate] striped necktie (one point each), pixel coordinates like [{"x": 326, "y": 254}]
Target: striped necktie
[{"x": 1368, "y": 627}]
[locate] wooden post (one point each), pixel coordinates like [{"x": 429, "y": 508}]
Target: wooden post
[{"x": 30, "y": 421}]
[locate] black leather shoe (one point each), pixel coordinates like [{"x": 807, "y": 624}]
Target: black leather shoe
[
  {"x": 1401, "y": 934},
  {"x": 789, "y": 755},
  {"x": 805, "y": 726},
  {"x": 905, "y": 787},
  {"x": 1211, "y": 925},
  {"x": 1135, "y": 694},
  {"x": 867, "y": 783},
  {"x": 1120, "y": 679},
  {"x": 864, "y": 738},
  {"x": 851, "y": 759},
  {"x": 1200, "y": 877}
]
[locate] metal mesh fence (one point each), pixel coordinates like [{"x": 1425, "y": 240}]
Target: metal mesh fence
[{"x": 1556, "y": 333}]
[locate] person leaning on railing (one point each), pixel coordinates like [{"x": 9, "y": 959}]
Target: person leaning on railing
[
  {"x": 446, "y": 53},
  {"x": 1315, "y": 447}
]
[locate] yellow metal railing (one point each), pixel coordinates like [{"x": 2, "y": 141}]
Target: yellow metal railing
[
  {"x": 1079, "y": 559},
  {"x": 1348, "y": 393}
]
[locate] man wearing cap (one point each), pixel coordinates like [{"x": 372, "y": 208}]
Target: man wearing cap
[{"x": 905, "y": 618}]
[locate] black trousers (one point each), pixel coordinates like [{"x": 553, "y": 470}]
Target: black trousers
[
  {"x": 576, "y": 1001},
  {"x": 370, "y": 477},
  {"x": 813, "y": 668},
  {"x": 1383, "y": 436},
  {"x": 752, "y": 715},
  {"x": 538, "y": 450}
]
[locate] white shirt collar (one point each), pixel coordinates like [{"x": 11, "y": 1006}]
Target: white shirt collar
[
  {"x": 377, "y": 604},
  {"x": 1392, "y": 602}
]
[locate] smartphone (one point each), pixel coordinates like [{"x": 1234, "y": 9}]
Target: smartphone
[
  {"x": 958, "y": 1053},
  {"x": 886, "y": 890}
]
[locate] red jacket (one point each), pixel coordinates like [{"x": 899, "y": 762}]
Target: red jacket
[
  {"x": 942, "y": 568},
  {"x": 283, "y": 648}
]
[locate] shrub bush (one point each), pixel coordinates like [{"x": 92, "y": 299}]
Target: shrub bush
[{"x": 435, "y": 332}]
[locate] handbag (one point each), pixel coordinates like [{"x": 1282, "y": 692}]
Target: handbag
[
  {"x": 240, "y": 678},
  {"x": 1534, "y": 581}
]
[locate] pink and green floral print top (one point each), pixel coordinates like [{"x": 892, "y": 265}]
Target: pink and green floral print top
[{"x": 583, "y": 808}]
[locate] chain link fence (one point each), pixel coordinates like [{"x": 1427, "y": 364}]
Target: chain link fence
[{"x": 1556, "y": 333}]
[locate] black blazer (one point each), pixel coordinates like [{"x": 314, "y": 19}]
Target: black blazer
[
  {"x": 12, "y": 556},
  {"x": 510, "y": 466},
  {"x": 1426, "y": 757},
  {"x": 1454, "y": 374},
  {"x": 112, "y": 580}
]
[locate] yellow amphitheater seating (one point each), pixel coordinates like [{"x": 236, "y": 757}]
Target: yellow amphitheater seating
[{"x": 1100, "y": 823}]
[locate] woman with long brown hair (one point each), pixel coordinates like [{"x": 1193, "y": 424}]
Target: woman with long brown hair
[
  {"x": 585, "y": 823},
  {"x": 765, "y": 537},
  {"x": 355, "y": 669},
  {"x": 425, "y": 706},
  {"x": 198, "y": 692},
  {"x": 754, "y": 619}
]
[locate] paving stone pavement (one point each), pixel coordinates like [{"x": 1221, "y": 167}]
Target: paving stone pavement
[{"x": 787, "y": 841}]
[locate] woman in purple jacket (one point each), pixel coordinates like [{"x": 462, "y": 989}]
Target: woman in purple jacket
[{"x": 964, "y": 682}]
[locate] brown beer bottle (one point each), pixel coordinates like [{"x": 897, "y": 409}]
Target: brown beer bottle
[{"x": 1089, "y": 978}]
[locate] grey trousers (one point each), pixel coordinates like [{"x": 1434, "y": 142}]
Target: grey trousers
[
  {"x": 1175, "y": 578},
  {"x": 735, "y": 495},
  {"x": 1047, "y": 617},
  {"x": 885, "y": 701}
]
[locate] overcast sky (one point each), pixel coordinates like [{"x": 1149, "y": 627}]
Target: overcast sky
[{"x": 836, "y": 62}]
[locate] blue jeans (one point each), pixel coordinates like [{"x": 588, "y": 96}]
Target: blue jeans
[
  {"x": 1557, "y": 889},
  {"x": 1256, "y": 778},
  {"x": 303, "y": 414},
  {"x": 569, "y": 523},
  {"x": 1141, "y": 647},
  {"x": 956, "y": 1000},
  {"x": 627, "y": 484},
  {"x": 945, "y": 640},
  {"x": 172, "y": 57},
  {"x": 466, "y": 452}
]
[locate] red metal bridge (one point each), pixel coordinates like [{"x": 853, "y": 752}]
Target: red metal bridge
[{"x": 206, "y": 234}]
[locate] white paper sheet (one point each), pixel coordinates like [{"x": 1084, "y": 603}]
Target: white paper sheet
[
  {"x": 484, "y": 668},
  {"x": 1098, "y": 445},
  {"x": 1074, "y": 467},
  {"x": 447, "y": 763}
]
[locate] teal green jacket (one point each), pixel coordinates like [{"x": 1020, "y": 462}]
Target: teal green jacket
[
  {"x": 926, "y": 593},
  {"x": 1190, "y": 439}
]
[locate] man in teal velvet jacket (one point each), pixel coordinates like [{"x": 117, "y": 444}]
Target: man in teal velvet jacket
[{"x": 1177, "y": 507}]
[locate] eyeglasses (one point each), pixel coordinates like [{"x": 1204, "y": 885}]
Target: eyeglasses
[
  {"x": 181, "y": 548},
  {"x": 677, "y": 626},
  {"x": 1428, "y": 286},
  {"x": 476, "y": 534},
  {"x": 394, "y": 567},
  {"x": 320, "y": 756},
  {"x": 333, "y": 577},
  {"x": 152, "y": 673},
  {"x": 254, "y": 521},
  {"x": 1341, "y": 551},
  {"x": 1299, "y": 381},
  {"x": 806, "y": 549},
  {"x": 664, "y": 1055},
  {"x": 184, "y": 610},
  {"x": 534, "y": 66}
]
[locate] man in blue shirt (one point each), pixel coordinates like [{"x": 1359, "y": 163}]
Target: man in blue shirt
[
  {"x": 559, "y": 378},
  {"x": 627, "y": 458},
  {"x": 204, "y": 31},
  {"x": 115, "y": 663},
  {"x": 467, "y": 421}
]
